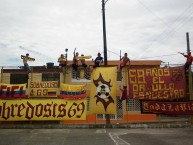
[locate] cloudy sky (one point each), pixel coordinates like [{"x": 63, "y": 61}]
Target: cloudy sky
[{"x": 145, "y": 29}]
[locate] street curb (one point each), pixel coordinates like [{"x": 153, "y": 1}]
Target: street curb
[{"x": 90, "y": 126}]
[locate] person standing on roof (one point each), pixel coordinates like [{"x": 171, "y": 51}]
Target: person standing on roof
[
  {"x": 189, "y": 60},
  {"x": 98, "y": 60},
  {"x": 124, "y": 61},
  {"x": 75, "y": 61},
  {"x": 83, "y": 62},
  {"x": 62, "y": 60}
]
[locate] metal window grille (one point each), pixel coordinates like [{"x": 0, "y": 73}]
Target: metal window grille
[
  {"x": 81, "y": 73},
  {"x": 88, "y": 103},
  {"x": 133, "y": 105},
  {"x": 51, "y": 77}
]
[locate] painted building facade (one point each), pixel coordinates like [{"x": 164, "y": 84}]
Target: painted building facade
[{"x": 127, "y": 110}]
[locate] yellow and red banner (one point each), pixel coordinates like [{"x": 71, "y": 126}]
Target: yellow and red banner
[
  {"x": 157, "y": 83},
  {"x": 54, "y": 109},
  {"x": 72, "y": 91},
  {"x": 43, "y": 89},
  {"x": 169, "y": 108},
  {"x": 103, "y": 90},
  {"x": 12, "y": 90}
]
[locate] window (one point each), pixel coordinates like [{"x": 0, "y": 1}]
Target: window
[
  {"x": 119, "y": 76},
  {"x": 51, "y": 77},
  {"x": 18, "y": 78},
  {"x": 88, "y": 103},
  {"x": 81, "y": 73},
  {"x": 133, "y": 105}
]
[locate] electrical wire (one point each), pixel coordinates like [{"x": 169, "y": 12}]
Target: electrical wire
[
  {"x": 165, "y": 34},
  {"x": 140, "y": 2}
]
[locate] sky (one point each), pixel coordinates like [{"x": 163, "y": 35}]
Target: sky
[{"x": 145, "y": 29}]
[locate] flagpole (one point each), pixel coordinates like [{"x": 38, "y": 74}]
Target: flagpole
[
  {"x": 189, "y": 75},
  {"x": 107, "y": 116}
]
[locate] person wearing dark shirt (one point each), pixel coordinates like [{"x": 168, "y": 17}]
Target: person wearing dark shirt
[
  {"x": 75, "y": 61},
  {"x": 98, "y": 60},
  {"x": 75, "y": 64}
]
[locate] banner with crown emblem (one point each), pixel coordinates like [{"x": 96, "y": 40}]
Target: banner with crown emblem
[{"x": 103, "y": 90}]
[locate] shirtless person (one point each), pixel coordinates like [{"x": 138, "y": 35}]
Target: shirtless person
[{"x": 25, "y": 59}]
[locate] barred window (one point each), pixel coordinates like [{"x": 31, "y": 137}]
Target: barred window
[
  {"x": 51, "y": 77},
  {"x": 119, "y": 76},
  {"x": 88, "y": 103},
  {"x": 81, "y": 73},
  {"x": 133, "y": 105}
]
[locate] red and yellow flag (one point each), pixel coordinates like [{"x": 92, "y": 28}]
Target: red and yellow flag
[
  {"x": 73, "y": 91},
  {"x": 12, "y": 90},
  {"x": 103, "y": 90}
]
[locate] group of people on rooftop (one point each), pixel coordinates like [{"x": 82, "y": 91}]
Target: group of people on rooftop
[
  {"x": 62, "y": 60},
  {"x": 97, "y": 61}
]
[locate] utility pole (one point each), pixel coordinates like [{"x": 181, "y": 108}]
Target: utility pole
[
  {"x": 107, "y": 116},
  {"x": 189, "y": 71},
  {"x": 104, "y": 32},
  {"x": 189, "y": 75},
  {"x": 188, "y": 43}
]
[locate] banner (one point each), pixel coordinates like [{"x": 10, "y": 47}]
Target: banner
[
  {"x": 72, "y": 91},
  {"x": 43, "y": 89},
  {"x": 169, "y": 108},
  {"x": 103, "y": 90},
  {"x": 157, "y": 83},
  {"x": 12, "y": 90},
  {"x": 55, "y": 109}
]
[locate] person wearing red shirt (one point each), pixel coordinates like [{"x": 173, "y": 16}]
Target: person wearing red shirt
[
  {"x": 189, "y": 60},
  {"x": 124, "y": 61}
]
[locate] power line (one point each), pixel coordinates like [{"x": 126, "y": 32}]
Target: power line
[
  {"x": 161, "y": 55},
  {"x": 165, "y": 34},
  {"x": 153, "y": 13}
]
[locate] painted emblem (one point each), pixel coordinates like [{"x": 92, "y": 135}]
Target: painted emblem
[{"x": 103, "y": 92}]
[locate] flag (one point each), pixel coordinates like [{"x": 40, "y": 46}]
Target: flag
[
  {"x": 12, "y": 90},
  {"x": 124, "y": 93},
  {"x": 52, "y": 92},
  {"x": 103, "y": 90},
  {"x": 72, "y": 91},
  {"x": 157, "y": 83}
]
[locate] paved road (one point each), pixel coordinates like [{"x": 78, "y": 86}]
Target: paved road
[{"x": 169, "y": 136}]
